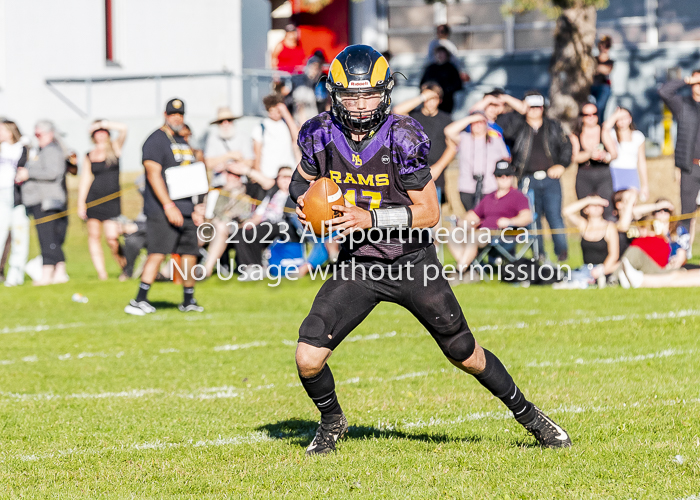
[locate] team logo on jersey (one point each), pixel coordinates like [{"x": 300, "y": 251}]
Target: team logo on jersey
[
  {"x": 359, "y": 179},
  {"x": 357, "y": 160},
  {"x": 385, "y": 159}
]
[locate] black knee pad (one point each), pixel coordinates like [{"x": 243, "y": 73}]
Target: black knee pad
[
  {"x": 458, "y": 346},
  {"x": 315, "y": 331}
]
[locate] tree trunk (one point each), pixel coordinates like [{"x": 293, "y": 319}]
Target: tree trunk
[{"x": 572, "y": 66}]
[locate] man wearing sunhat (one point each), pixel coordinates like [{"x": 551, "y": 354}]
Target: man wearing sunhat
[
  {"x": 170, "y": 228},
  {"x": 226, "y": 146}
]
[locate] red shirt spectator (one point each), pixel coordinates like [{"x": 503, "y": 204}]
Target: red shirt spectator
[
  {"x": 656, "y": 247},
  {"x": 288, "y": 55}
]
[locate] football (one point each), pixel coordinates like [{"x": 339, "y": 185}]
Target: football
[{"x": 318, "y": 200}]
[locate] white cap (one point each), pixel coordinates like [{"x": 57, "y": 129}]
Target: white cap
[{"x": 534, "y": 101}]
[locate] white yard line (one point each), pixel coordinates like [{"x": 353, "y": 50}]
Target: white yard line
[
  {"x": 611, "y": 361},
  {"x": 259, "y": 437},
  {"x": 253, "y": 437},
  {"x": 374, "y": 336}
]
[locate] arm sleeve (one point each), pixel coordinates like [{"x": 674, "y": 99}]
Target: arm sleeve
[
  {"x": 564, "y": 148},
  {"x": 298, "y": 186},
  {"x": 49, "y": 166},
  {"x": 152, "y": 152},
  {"x": 23, "y": 158},
  {"x": 413, "y": 148},
  {"x": 305, "y": 141},
  {"x": 669, "y": 94}
]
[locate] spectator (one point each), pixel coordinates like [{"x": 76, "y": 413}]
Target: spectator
[
  {"x": 686, "y": 112},
  {"x": 99, "y": 179},
  {"x": 593, "y": 150},
  {"x": 233, "y": 207},
  {"x": 601, "y": 88},
  {"x": 433, "y": 120},
  {"x": 288, "y": 55},
  {"x": 677, "y": 278},
  {"x": 624, "y": 202},
  {"x": 675, "y": 234},
  {"x": 274, "y": 140},
  {"x": 660, "y": 247},
  {"x": 493, "y": 106},
  {"x": 443, "y": 32},
  {"x": 444, "y": 73},
  {"x": 171, "y": 225},
  {"x": 599, "y": 240},
  {"x": 225, "y": 146},
  {"x": 506, "y": 207},
  {"x": 541, "y": 152},
  {"x": 267, "y": 224},
  {"x": 479, "y": 151},
  {"x": 13, "y": 214},
  {"x": 44, "y": 195},
  {"x": 187, "y": 134},
  {"x": 629, "y": 169},
  {"x": 305, "y": 90}
]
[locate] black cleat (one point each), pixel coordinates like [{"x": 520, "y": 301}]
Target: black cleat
[
  {"x": 327, "y": 435},
  {"x": 191, "y": 307},
  {"x": 547, "y": 433}
]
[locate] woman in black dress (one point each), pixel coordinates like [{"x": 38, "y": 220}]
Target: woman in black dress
[{"x": 99, "y": 179}]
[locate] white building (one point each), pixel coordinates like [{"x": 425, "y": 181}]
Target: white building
[{"x": 55, "y": 56}]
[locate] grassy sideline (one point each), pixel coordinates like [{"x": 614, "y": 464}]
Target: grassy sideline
[{"x": 97, "y": 404}]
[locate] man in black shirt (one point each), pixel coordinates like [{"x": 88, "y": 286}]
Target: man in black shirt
[
  {"x": 541, "y": 152},
  {"x": 170, "y": 225},
  {"x": 433, "y": 120},
  {"x": 445, "y": 74}
]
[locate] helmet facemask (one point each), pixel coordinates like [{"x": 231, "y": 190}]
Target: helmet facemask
[{"x": 361, "y": 121}]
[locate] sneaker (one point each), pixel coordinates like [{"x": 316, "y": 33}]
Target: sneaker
[
  {"x": 634, "y": 276},
  {"x": 327, "y": 435},
  {"x": 547, "y": 433},
  {"x": 139, "y": 308},
  {"x": 622, "y": 278},
  {"x": 191, "y": 307}
]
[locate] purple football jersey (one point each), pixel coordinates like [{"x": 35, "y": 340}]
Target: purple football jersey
[{"x": 376, "y": 177}]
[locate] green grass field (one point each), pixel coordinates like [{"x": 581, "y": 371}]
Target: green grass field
[{"x": 98, "y": 404}]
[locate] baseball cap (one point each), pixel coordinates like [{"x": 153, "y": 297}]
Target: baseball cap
[
  {"x": 535, "y": 101},
  {"x": 175, "y": 107},
  {"x": 504, "y": 167}
]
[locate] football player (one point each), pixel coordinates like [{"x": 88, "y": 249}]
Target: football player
[{"x": 379, "y": 160}]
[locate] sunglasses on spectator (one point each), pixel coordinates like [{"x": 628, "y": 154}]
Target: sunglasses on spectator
[
  {"x": 588, "y": 114},
  {"x": 668, "y": 211},
  {"x": 226, "y": 121}
]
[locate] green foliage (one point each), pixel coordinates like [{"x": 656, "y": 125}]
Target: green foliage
[{"x": 98, "y": 404}]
